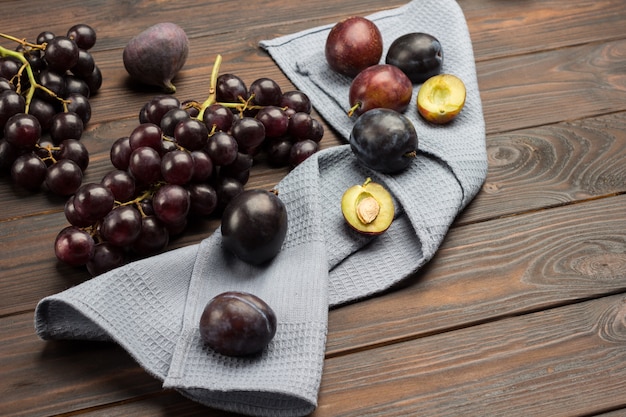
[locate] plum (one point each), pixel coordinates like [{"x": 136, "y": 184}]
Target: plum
[
  {"x": 368, "y": 208},
  {"x": 352, "y": 45},
  {"x": 384, "y": 140},
  {"x": 236, "y": 323},
  {"x": 380, "y": 86},
  {"x": 419, "y": 55},
  {"x": 441, "y": 98},
  {"x": 156, "y": 55},
  {"x": 254, "y": 226}
]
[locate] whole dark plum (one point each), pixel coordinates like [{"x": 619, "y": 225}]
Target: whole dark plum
[
  {"x": 254, "y": 226},
  {"x": 419, "y": 55},
  {"x": 237, "y": 324},
  {"x": 384, "y": 140}
]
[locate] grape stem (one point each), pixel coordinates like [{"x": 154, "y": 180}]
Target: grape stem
[
  {"x": 212, "y": 86},
  {"x": 34, "y": 85}
]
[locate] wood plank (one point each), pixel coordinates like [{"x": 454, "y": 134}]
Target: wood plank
[
  {"x": 559, "y": 362},
  {"x": 498, "y": 268},
  {"x": 518, "y": 366},
  {"x": 47, "y": 378},
  {"x": 551, "y": 165},
  {"x": 537, "y": 25}
]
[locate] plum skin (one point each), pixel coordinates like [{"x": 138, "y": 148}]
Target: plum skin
[
  {"x": 380, "y": 86},
  {"x": 419, "y": 55},
  {"x": 254, "y": 226},
  {"x": 352, "y": 45},
  {"x": 384, "y": 140},
  {"x": 237, "y": 323}
]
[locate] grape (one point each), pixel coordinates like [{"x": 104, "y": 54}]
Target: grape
[
  {"x": 44, "y": 111},
  {"x": 300, "y": 125},
  {"x": 203, "y": 199},
  {"x": 279, "y": 152},
  {"x": 29, "y": 171},
  {"x": 152, "y": 238},
  {"x": 75, "y": 150},
  {"x": 157, "y": 107},
  {"x": 9, "y": 67},
  {"x": 297, "y": 101},
  {"x": 219, "y": 117},
  {"x": 83, "y": 35},
  {"x": 79, "y": 104},
  {"x": 93, "y": 201},
  {"x": 202, "y": 166},
  {"x": 53, "y": 82},
  {"x": 177, "y": 167},
  {"x": 45, "y": 37},
  {"x": 121, "y": 184},
  {"x": 66, "y": 125},
  {"x": 121, "y": 226},
  {"x": 171, "y": 204},
  {"x": 120, "y": 153},
  {"x": 5, "y": 85},
  {"x": 230, "y": 89},
  {"x": 61, "y": 54},
  {"x": 301, "y": 150},
  {"x": 171, "y": 119},
  {"x": 274, "y": 120},
  {"x": 237, "y": 324},
  {"x": 8, "y": 155},
  {"x": 145, "y": 165},
  {"x": 85, "y": 64},
  {"x": 94, "y": 80},
  {"x": 74, "y": 246},
  {"x": 317, "y": 131},
  {"x": 22, "y": 130},
  {"x": 11, "y": 103},
  {"x": 64, "y": 177},
  {"x": 105, "y": 258},
  {"x": 222, "y": 148},
  {"x": 191, "y": 134},
  {"x": 226, "y": 188},
  {"x": 76, "y": 85},
  {"x": 265, "y": 92},
  {"x": 146, "y": 134},
  {"x": 249, "y": 134},
  {"x": 72, "y": 215}
]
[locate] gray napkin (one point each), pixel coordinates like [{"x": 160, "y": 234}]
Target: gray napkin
[{"x": 152, "y": 307}]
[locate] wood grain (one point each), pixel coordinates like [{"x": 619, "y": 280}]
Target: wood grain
[{"x": 522, "y": 312}]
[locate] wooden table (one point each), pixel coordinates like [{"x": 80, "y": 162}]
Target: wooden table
[{"x": 521, "y": 313}]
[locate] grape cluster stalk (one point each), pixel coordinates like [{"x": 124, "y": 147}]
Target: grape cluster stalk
[
  {"x": 184, "y": 159},
  {"x": 45, "y": 88}
]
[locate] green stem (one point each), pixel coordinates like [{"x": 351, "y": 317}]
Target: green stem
[{"x": 212, "y": 86}]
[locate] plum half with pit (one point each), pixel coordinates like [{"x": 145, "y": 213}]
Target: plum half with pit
[
  {"x": 254, "y": 226},
  {"x": 352, "y": 45},
  {"x": 380, "y": 86},
  {"x": 236, "y": 323},
  {"x": 368, "y": 208},
  {"x": 419, "y": 55},
  {"x": 441, "y": 98},
  {"x": 384, "y": 140}
]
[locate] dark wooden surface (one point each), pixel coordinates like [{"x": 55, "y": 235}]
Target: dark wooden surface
[{"x": 522, "y": 312}]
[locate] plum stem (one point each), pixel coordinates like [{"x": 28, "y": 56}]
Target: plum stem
[{"x": 354, "y": 108}]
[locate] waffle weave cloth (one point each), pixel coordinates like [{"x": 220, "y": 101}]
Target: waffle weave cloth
[{"x": 151, "y": 307}]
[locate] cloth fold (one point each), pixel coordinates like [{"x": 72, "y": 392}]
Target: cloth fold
[{"x": 151, "y": 307}]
